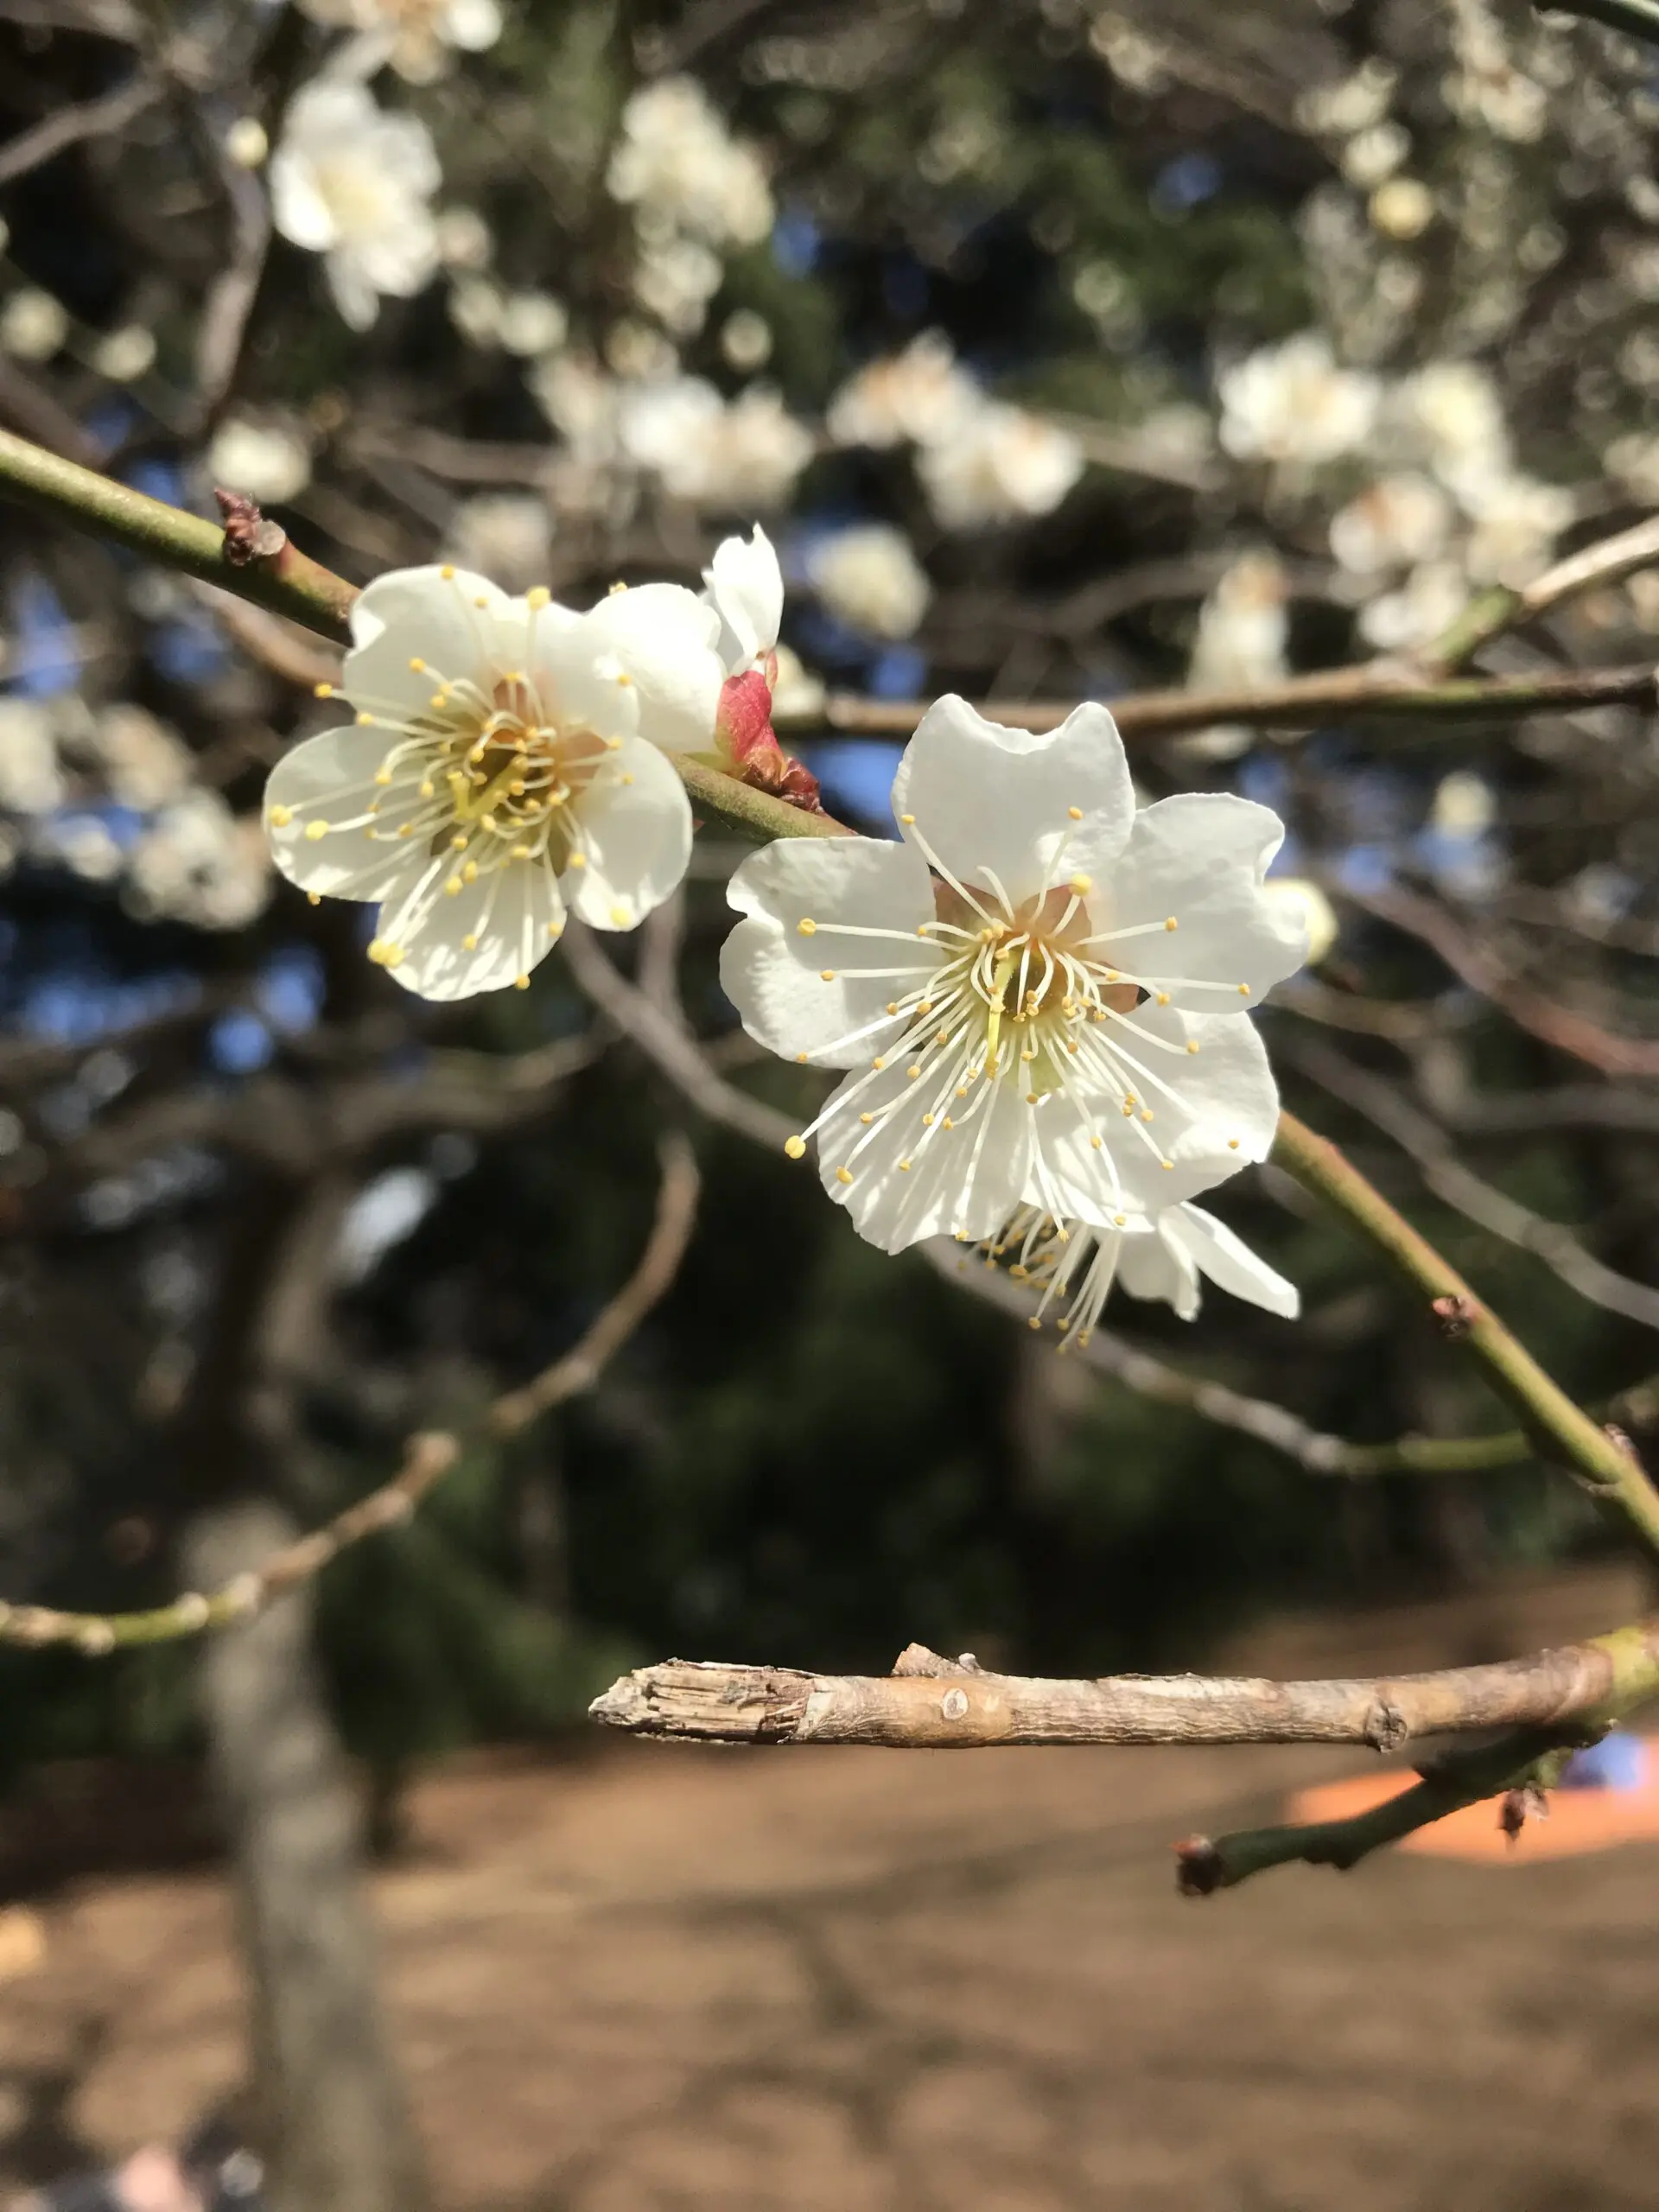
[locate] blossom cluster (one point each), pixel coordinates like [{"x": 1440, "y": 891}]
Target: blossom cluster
[{"x": 1038, "y": 995}]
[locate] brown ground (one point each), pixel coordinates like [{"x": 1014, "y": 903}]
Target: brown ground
[{"x": 659, "y": 1980}]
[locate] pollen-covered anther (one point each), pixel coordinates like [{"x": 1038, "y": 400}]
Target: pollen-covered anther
[
  {"x": 1171, "y": 923},
  {"x": 866, "y": 1119},
  {"x": 1191, "y": 1043},
  {"x": 322, "y": 691},
  {"x": 1244, "y": 990},
  {"x": 281, "y": 817},
  {"x": 806, "y": 926},
  {"x": 1083, "y": 884},
  {"x": 826, "y": 974},
  {"x": 1074, "y": 812},
  {"x": 1163, "y": 998},
  {"x": 315, "y": 831},
  {"x": 844, "y": 1174},
  {"x": 794, "y": 1147}
]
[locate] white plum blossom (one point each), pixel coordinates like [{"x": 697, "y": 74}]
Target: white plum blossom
[
  {"x": 1395, "y": 523},
  {"x": 33, "y": 325},
  {"x": 31, "y": 777},
  {"x": 504, "y": 767},
  {"x": 143, "y": 763},
  {"x": 1451, "y": 413},
  {"x": 508, "y": 534},
  {"x": 1241, "y": 643},
  {"x": 1292, "y": 404},
  {"x": 677, "y": 160},
  {"x": 266, "y": 454},
  {"x": 916, "y": 397},
  {"x": 1427, "y": 602},
  {"x": 1040, "y": 992},
  {"x": 674, "y": 279},
  {"x": 722, "y": 455},
  {"x": 869, "y": 576},
  {"x": 198, "y": 863},
  {"x": 354, "y": 183},
  {"x": 998, "y": 464},
  {"x": 1159, "y": 1256},
  {"x": 416, "y": 36},
  {"x": 1516, "y": 521},
  {"x": 1307, "y": 905}
]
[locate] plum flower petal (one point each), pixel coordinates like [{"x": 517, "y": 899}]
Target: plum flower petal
[
  {"x": 666, "y": 637},
  {"x": 745, "y": 587},
  {"x": 494, "y": 776},
  {"x": 1161, "y": 1256}
]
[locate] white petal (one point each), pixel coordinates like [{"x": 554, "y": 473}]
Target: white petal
[
  {"x": 354, "y": 293},
  {"x": 1227, "y": 1260},
  {"x": 773, "y": 974},
  {"x": 297, "y": 207},
  {"x": 1219, "y": 1115},
  {"x": 746, "y": 587},
  {"x": 637, "y": 836},
  {"x": 514, "y": 912},
  {"x": 1201, "y": 856},
  {"x": 330, "y": 778},
  {"x": 986, "y": 797},
  {"x": 410, "y": 615},
  {"x": 1148, "y": 1267},
  {"x": 961, "y": 1181},
  {"x": 663, "y": 636},
  {"x": 577, "y": 677}
]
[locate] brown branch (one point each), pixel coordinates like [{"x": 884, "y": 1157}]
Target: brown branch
[
  {"x": 55, "y": 134},
  {"x": 1492, "y": 612},
  {"x": 1371, "y": 689},
  {"x": 929, "y": 1702},
  {"x": 1480, "y": 968}
]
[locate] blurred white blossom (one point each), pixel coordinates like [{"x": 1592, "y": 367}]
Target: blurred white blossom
[
  {"x": 741, "y": 454},
  {"x": 1291, "y": 403},
  {"x": 464, "y": 240},
  {"x": 353, "y": 182},
  {"x": 142, "y": 764},
  {"x": 1464, "y": 805},
  {"x": 674, "y": 279},
  {"x": 1516, "y": 522},
  {"x": 1427, "y": 603},
  {"x": 198, "y": 863},
  {"x": 1242, "y": 633},
  {"x": 869, "y": 576},
  {"x": 31, "y": 778},
  {"x": 998, "y": 464},
  {"x": 1305, "y": 903},
  {"x": 533, "y": 323},
  {"x": 677, "y": 160},
  {"x": 124, "y": 354},
  {"x": 506, "y": 536},
  {"x": 1449, "y": 413},
  {"x": 1403, "y": 208},
  {"x": 416, "y": 36},
  {"x": 33, "y": 325},
  {"x": 1394, "y": 524},
  {"x": 267, "y": 455},
  {"x": 916, "y": 397}
]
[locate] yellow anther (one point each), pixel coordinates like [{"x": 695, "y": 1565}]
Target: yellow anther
[
  {"x": 620, "y": 917},
  {"x": 323, "y": 690},
  {"x": 1244, "y": 990},
  {"x": 538, "y": 595},
  {"x": 383, "y": 777},
  {"x": 417, "y": 666},
  {"x": 363, "y": 718},
  {"x": 1232, "y": 1144},
  {"x": 926, "y": 1007},
  {"x": 892, "y": 1006},
  {"x": 947, "y": 1123},
  {"x": 806, "y": 926},
  {"x": 962, "y": 1088},
  {"x": 1172, "y": 924},
  {"x": 866, "y": 1119},
  {"x": 448, "y": 572},
  {"x": 826, "y": 974},
  {"x": 1076, "y": 813},
  {"x": 844, "y": 1174},
  {"x": 1081, "y": 884},
  {"x": 458, "y": 842},
  {"x": 1166, "y": 1163},
  {"x": 1033, "y": 1323},
  {"x": 429, "y": 789},
  {"x": 627, "y": 779},
  {"x": 903, "y": 1167},
  {"x": 407, "y": 830},
  {"x": 1030, "y": 1098},
  {"x": 800, "y": 1059},
  {"x": 913, "y": 1073},
  {"x": 927, "y": 1121},
  {"x": 578, "y": 860},
  {"x": 452, "y": 888},
  {"x": 469, "y": 943},
  {"x": 481, "y": 600},
  {"x": 438, "y": 702},
  {"x": 615, "y": 588},
  {"x": 907, "y": 819},
  {"x": 1191, "y": 1043},
  {"x": 315, "y": 831},
  {"x": 1163, "y": 998},
  {"x": 521, "y": 852},
  {"x": 314, "y": 897},
  {"x": 878, "y": 1062},
  {"x": 1097, "y": 1142},
  {"x": 1129, "y": 1113},
  {"x": 795, "y": 1146},
  {"x": 281, "y": 817},
  {"x": 1146, "y": 1112}
]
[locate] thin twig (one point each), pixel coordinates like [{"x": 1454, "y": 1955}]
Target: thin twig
[
  {"x": 426, "y": 1457},
  {"x": 55, "y": 134}
]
